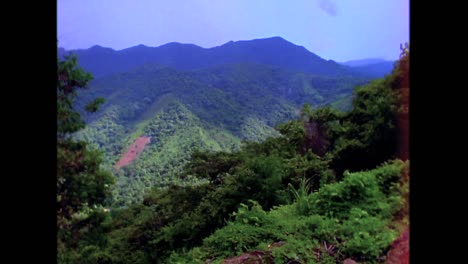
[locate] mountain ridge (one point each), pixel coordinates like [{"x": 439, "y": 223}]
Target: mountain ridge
[
  {"x": 275, "y": 51},
  {"x": 363, "y": 62}
]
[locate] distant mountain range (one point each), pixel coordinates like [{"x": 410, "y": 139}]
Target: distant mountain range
[
  {"x": 373, "y": 67},
  {"x": 185, "y": 97},
  {"x": 274, "y": 51},
  {"x": 363, "y": 62}
]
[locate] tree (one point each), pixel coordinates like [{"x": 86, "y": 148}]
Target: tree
[
  {"x": 82, "y": 185},
  {"x": 376, "y": 129},
  {"x": 400, "y": 83}
]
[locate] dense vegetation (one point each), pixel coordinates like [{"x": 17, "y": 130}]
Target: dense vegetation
[
  {"x": 350, "y": 218},
  {"x": 210, "y": 109},
  {"x": 82, "y": 185},
  {"x": 331, "y": 186},
  {"x": 175, "y": 133}
]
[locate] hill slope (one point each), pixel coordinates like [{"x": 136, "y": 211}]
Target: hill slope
[{"x": 226, "y": 104}]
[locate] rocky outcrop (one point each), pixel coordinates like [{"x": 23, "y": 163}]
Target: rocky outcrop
[{"x": 399, "y": 251}]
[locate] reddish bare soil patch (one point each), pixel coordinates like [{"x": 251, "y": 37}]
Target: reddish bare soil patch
[
  {"x": 133, "y": 151},
  {"x": 399, "y": 252}
]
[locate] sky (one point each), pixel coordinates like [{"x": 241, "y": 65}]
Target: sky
[{"x": 340, "y": 30}]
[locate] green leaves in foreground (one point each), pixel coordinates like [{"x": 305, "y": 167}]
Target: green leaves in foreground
[
  {"x": 93, "y": 106},
  {"x": 82, "y": 185},
  {"x": 341, "y": 220}
]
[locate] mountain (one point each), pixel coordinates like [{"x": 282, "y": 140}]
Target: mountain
[
  {"x": 274, "y": 51},
  {"x": 373, "y": 68},
  {"x": 376, "y": 70},
  {"x": 183, "y": 98},
  {"x": 362, "y": 62},
  {"x": 212, "y": 108},
  {"x": 239, "y": 88}
]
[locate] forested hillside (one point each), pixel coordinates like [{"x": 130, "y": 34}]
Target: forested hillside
[
  {"x": 327, "y": 185},
  {"x": 210, "y": 108}
]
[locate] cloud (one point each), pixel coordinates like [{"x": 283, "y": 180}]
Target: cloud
[{"x": 329, "y": 6}]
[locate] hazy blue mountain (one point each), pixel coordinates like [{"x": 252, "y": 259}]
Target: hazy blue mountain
[
  {"x": 372, "y": 68},
  {"x": 362, "y": 62},
  {"x": 272, "y": 51},
  {"x": 377, "y": 70}
]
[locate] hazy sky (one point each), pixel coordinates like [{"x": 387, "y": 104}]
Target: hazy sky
[{"x": 333, "y": 29}]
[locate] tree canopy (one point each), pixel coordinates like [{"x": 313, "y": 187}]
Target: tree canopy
[{"x": 82, "y": 185}]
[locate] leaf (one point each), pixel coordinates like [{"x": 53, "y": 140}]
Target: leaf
[{"x": 93, "y": 106}]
